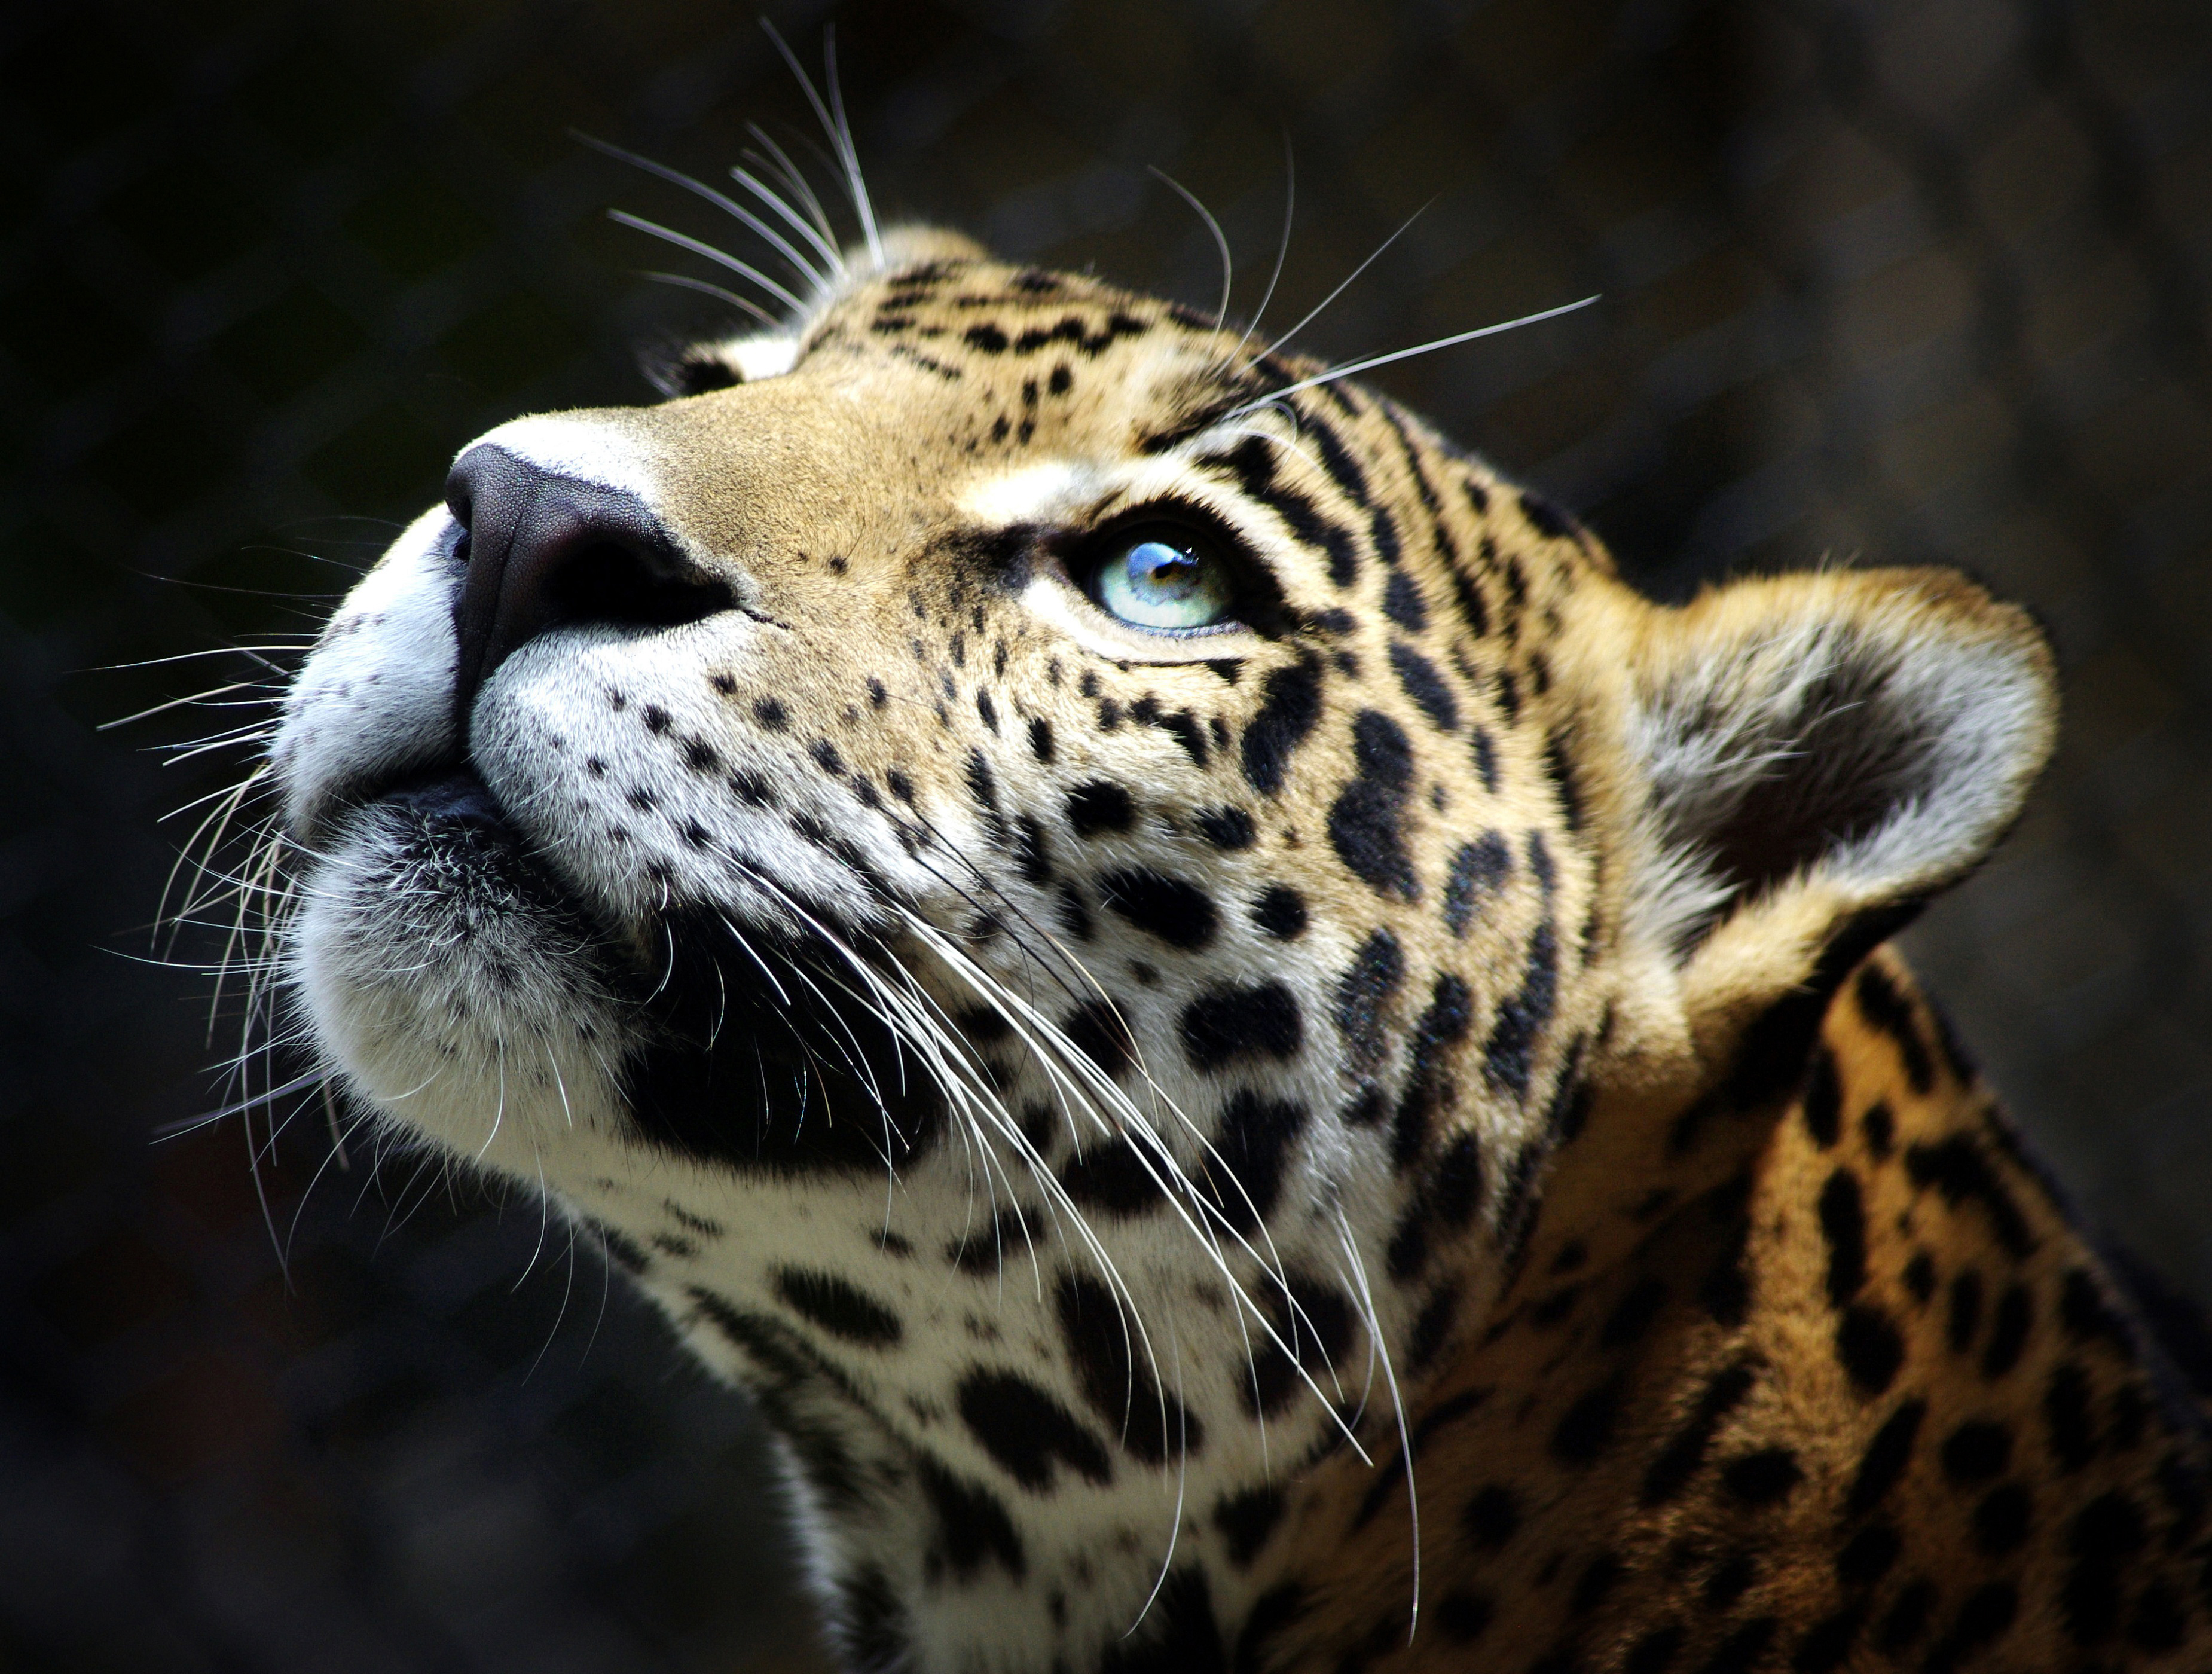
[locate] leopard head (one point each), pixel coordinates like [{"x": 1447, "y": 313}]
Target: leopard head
[{"x": 1065, "y": 891}]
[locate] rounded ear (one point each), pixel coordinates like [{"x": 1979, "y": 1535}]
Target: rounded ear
[{"x": 1817, "y": 755}]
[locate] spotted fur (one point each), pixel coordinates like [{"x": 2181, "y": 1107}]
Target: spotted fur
[{"x": 1199, "y": 1146}]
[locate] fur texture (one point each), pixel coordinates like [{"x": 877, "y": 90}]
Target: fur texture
[{"x": 1115, "y": 1098}]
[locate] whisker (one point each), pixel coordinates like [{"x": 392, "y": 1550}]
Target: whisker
[
  {"x": 1073, "y": 1071},
  {"x": 1220, "y": 239},
  {"x": 1282, "y": 248},
  {"x": 701, "y": 247},
  {"x": 993, "y": 887},
  {"x": 843, "y": 129},
  {"x": 256, "y": 652},
  {"x": 292, "y": 1231},
  {"x": 832, "y": 118},
  {"x": 1344, "y": 284},
  {"x": 338, "y": 1132},
  {"x": 194, "y": 1123},
  {"x": 223, "y": 741},
  {"x": 778, "y": 161},
  {"x": 606, "y": 1286},
  {"x": 1374, "y": 361},
  {"x": 1374, "y": 1323},
  {"x": 705, "y": 288},
  {"x": 963, "y": 1079},
  {"x": 1182, "y": 1483},
  {"x": 1273, "y": 1261},
  {"x": 806, "y": 228},
  {"x": 722, "y": 201}
]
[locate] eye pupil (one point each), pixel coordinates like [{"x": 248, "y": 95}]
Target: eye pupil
[
  {"x": 1163, "y": 582},
  {"x": 1155, "y": 564}
]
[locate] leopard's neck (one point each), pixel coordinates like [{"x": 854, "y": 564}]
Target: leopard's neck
[{"x": 1871, "y": 1390}]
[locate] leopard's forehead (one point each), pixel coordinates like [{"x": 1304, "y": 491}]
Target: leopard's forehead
[
  {"x": 987, "y": 326},
  {"x": 1009, "y": 396}
]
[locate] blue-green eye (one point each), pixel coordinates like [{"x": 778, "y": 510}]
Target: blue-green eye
[{"x": 1164, "y": 581}]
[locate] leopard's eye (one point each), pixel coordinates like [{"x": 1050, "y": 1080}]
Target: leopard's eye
[{"x": 1163, "y": 580}]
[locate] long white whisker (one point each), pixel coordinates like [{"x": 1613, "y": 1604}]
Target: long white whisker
[
  {"x": 1397, "y": 1400},
  {"x": 1374, "y": 361},
  {"x": 804, "y": 228},
  {"x": 606, "y": 1286},
  {"x": 1074, "y": 1071},
  {"x": 1273, "y": 1261},
  {"x": 957, "y": 1072},
  {"x": 1183, "y": 1483},
  {"x": 568, "y": 1289},
  {"x": 222, "y": 741},
  {"x": 782, "y": 246},
  {"x": 1282, "y": 247},
  {"x": 842, "y": 128},
  {"x": 705, "y": 289},
  {"x": 801, "y": 187},
  {"x": 1344, "y": 284},
  {"x": 1220, "y": 240},
  {"x": 701, "y": 247},
  {"x": 832, "y": 118},
  {"x": 194, "y": 1123},
  {"x": 292, "y": 1232},
  {"x": 179, "y": 702},
  {"x": 253, "y": 651},
  {"x": 337, "y": 1131}
]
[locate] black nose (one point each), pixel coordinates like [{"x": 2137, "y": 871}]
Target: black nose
[{"x": 544, "y": 549}]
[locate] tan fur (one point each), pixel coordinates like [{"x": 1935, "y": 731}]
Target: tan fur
[
  {"x": 1695, "y": 1278},
  {"x": 1704, "y": 1569}
]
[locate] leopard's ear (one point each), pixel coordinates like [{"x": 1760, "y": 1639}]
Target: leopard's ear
[{"x": 1810, "y": 758}]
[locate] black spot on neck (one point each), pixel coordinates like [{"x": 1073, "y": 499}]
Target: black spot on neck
[
  {"x": 1227, "y": 1026},
  {"x": 1425, "y": 685},
  {"x": 972, "y": 1529},
  {"x": 1150, "y": 1425},
  {"x": 840, "y": 1308},
  {"x": 1027, "y": 1432},
  {"x": 1177, "y": 912},
  {"x": 1099, "y": 804}
]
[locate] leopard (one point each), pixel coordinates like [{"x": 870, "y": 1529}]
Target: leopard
[{"x": 1253, "y": 1060}]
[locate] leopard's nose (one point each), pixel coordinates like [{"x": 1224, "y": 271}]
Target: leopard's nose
[{"x": 545, "y": 550}]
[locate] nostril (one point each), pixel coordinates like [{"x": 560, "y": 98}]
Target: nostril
[
  {"x": 604, "y": 581},
  {"x": 542, "y": 551}
]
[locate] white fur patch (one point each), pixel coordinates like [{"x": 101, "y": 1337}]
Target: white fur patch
[
  {"x": 1044, "y": 493},
  {"x": 760, "y": 358},
  {"x": 469, "y": 1017},
  {"x": 376, "y": 698}
]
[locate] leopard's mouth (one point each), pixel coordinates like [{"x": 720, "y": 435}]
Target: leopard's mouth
[
  {"x": 451, "y": 798},
  {"x": 454, "y": 839}
]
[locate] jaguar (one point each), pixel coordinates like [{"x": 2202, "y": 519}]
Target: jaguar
[{"x": 1257, "y": 1063}]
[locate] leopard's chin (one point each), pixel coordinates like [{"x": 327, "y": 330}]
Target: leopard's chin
[
  {"x": 455, "y": 983},
  {"x": 463, "y": 991}
]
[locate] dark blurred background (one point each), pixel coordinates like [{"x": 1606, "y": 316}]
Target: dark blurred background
[{"x": 1915, "y": 283}]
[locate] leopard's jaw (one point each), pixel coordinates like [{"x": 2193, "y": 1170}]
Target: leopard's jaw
[{"x": 1087, "y": 1082}]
